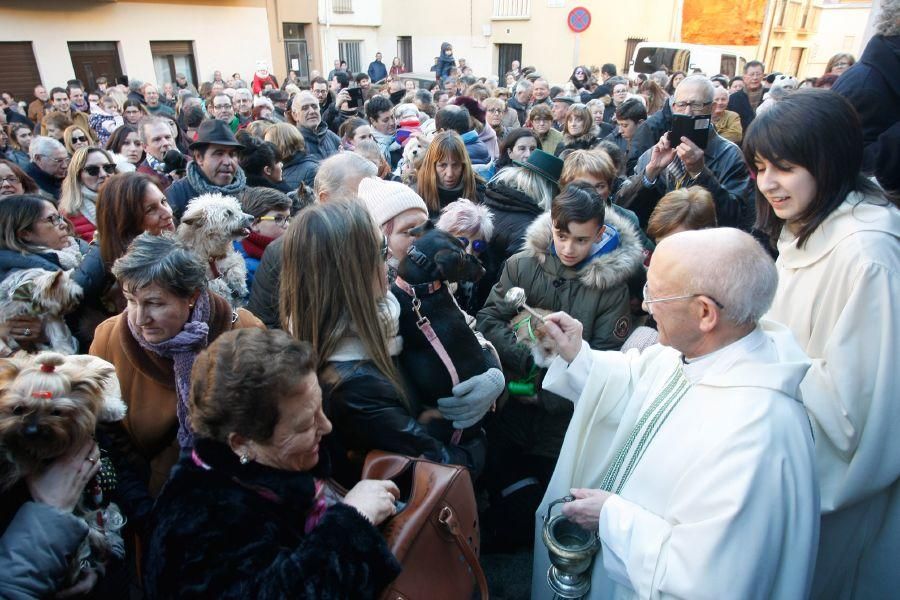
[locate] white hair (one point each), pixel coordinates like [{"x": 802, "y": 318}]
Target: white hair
[
  {"x": 465, "y": 217},
  {"x": 244, "y": 93},
  {"x": 699, "y": 81},
  {"x": 888, "y": 23},
  {"x": 529, "y": 183},
  {"x": 43, "y": 145},
  {"x": 743, "y": 278},
  {"x": 336, "y": 172}
]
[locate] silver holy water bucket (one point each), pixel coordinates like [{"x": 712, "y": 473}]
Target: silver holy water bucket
[{"x": 571, "y": 551}]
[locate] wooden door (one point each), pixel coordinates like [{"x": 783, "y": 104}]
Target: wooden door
[{"x": 95, "y": 59}]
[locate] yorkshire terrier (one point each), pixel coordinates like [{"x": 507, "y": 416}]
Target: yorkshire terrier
[
  {"x": 49, "y": 405},
  {"x": 48, "y": 294}
]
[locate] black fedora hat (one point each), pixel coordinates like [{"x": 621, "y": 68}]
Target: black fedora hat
[
  {"x": 214, "y": 131},
  {"x": 544, "y": 164}
]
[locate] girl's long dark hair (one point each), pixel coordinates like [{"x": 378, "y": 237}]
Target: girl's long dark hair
[{"x": 820, "y": 131}]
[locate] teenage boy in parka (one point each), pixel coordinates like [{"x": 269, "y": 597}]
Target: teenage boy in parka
[{"x": 578, "y": 259}]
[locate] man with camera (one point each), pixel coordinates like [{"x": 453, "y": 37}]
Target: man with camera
[
  {"x": 692, "y": 153},
  {"x": 157, "y": 138},
  {"x": 347, "y": 102}
]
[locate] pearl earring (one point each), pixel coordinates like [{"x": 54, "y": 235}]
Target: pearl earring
[{"x": 245, "y": 458}]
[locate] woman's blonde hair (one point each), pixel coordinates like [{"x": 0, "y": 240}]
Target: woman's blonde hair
[
  {"x": 70, "y": 131},
  {"x": 287, "y": 139},
  {"x": 587, "y": 162},
  {"x": 259, "y": 128},
  {"x": 445, "y": 145},
  {"x": 683, "y": 209},
  {"x": 70, "y": 198},
  {"x": 330, "y": 273}
]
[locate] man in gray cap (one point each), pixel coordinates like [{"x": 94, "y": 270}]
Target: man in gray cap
[{"x": 214, "y": 167}]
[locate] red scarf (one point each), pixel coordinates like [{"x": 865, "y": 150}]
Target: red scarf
[{"x": 255, "y": 244}]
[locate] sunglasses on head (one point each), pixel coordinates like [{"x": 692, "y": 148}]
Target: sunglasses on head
[
  {"x": 94, "y": 170},
  {"x": 478, "y": 246}
]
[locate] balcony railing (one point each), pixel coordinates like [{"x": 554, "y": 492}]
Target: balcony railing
[
  {"x": 342, "y": 6},
  {"x": 511, "y": 10}
]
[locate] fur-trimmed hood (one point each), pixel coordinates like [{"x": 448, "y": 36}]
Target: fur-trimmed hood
[{"x": 603, "y": 271}]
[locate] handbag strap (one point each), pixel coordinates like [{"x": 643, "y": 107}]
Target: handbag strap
[{"x": 448, "y": 519}]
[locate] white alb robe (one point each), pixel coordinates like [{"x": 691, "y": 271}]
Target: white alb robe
[
  {"x": 724, "y": 502},
  {"x": 838, "y": 295}
]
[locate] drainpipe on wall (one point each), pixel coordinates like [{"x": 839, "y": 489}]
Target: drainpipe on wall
[{"x": 325, "y": 37}]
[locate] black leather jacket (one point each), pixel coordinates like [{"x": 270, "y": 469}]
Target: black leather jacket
[{"x": 368, "y": 413}]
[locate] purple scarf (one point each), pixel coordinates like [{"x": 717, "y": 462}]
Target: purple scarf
[{"x": 183, "y": 349}]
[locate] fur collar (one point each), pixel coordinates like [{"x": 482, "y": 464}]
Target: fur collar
[
  {"x": 587, "y": 139},
  {"x": 351, "y": 348},
  {"x": 602, "y": 272}
]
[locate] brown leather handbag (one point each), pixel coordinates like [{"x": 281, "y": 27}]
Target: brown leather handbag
[{"x": 434, "y": 534}]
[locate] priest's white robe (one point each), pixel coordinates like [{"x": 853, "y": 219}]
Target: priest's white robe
[
  {"x": 724, "y": 502},
  {"x": 838, "y": 295}
]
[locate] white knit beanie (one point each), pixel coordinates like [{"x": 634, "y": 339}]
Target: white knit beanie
[{"x": 386, "y": 199}]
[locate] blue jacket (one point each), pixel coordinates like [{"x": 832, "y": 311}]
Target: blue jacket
[
  {"x": 377, "y": 71},
  {"x": 322, "y": 142},
  {"x": 300, "y": 168},
  {"x": 478, "y": 152},
  {"x": 252, "y": 263}
]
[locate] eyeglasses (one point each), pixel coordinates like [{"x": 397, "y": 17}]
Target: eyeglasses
[
  {"x": 842, "y": 64},
  {"x": 280, "y": 220},
  {"x": 11, "y": 179},
  {"x": 94, "y": 170},
  {"x": 55, "y": 220},
  {"x": 478, "y": 246},
  {"x": 57, "y": 161},
  {"x": 694, "y": 105},
  {"x": 495, "y": 110},
  {"x": 221, "y": 106},
  {"x": 78, "y": 139},
  {"x": 650, "y": 301}
]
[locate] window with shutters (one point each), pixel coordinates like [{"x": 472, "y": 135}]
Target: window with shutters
[
  {"x": 18, "y": 70},
  {"x": 170, "y": 58},
  {"x": 350, "y": 51}
]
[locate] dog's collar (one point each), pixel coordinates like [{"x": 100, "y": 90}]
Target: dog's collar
[
  {"x": 214, "y": 268},
  {"x": 413, "y": 289}
]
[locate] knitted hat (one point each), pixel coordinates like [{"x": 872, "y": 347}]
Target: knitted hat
[{"x": 386, "y": 199}]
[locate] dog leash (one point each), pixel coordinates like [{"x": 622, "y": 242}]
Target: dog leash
[{"x": 427, "y": 330}]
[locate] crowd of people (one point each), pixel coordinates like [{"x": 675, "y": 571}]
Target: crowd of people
[{"x": 706, "y": 366}]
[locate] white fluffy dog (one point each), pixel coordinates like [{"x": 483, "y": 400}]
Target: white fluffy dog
[
  {"x": 49, "y": 294},
  {"x": 210, "y": 226}
]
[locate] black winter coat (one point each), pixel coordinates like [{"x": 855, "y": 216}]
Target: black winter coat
[
  {"x": 368, "y": 413},
  {"x": 322, "y": 142},
  {"x": 513, "y": 213},
  {"x": 649, "y": 132},
  {"x": 237, "y": 531},
  {"x": 872, "y": 86},
  {"x": 266, "y": 285},
  {"x": 300, "y": 168}
]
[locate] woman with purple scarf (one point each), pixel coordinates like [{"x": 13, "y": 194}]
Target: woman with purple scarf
[{"x": 170, "y": 317}]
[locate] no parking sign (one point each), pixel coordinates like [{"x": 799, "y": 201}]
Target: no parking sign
[{"x": 579, "y": 19}]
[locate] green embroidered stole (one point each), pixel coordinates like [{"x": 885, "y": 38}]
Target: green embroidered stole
[{"x": 649, "y": 423}]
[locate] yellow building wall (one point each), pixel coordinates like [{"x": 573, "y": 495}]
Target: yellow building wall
[
  {"x": 840, "y": 29},
  {"x": 547, "y": 42},
  {"x": 227, "y": 35},
  {"x": 293, "y": 11},
  {"x": 722, "y": 22}
]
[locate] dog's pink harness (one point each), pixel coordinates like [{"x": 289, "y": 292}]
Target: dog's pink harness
[{"x": 427, "y": 330}]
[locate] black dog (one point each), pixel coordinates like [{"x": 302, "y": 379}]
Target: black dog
[{"x": 421, "y": 288}]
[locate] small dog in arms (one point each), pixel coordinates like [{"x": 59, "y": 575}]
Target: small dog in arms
[
  {"x": 48, "y": 294},
  {"x": 210, "y": 226}
]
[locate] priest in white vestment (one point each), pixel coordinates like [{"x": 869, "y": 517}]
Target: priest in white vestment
[{"x": 692, "y": 461}]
